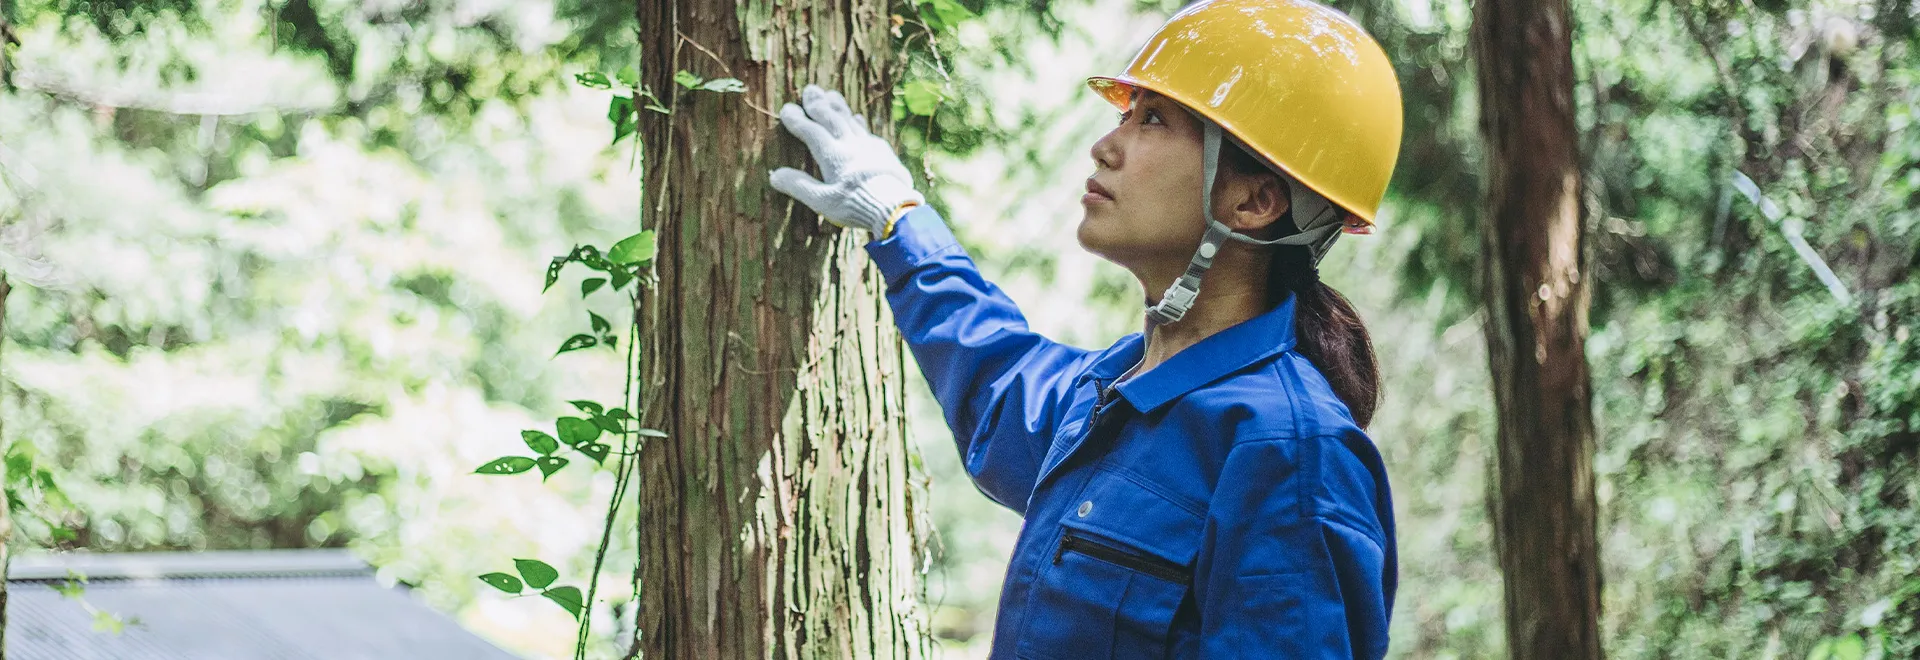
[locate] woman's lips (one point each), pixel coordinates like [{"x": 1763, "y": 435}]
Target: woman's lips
[{"x": 1096, "y": 193}]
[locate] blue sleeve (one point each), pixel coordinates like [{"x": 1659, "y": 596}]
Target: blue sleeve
[
  {"x": 1302, "y": 563},
  {"x": 1001, "y": 385}
]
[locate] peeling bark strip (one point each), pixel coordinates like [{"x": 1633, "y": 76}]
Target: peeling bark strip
[
  {"x": 775, "y": 521},
  {"x": 1537, "y": 297}
]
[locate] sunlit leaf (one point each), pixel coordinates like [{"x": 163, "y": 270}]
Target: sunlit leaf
[
  {"x": 946, "y": 14},
  {"x": 577, "y": 342},
  {"x": 72, "y": 589},
  {"x": 549, "y": 465},
  {"x": 506, "y": 465},
  {"x": 652, "y": 433},
  {"x": 922, "y": 97},
  {"x": 108, "y": 622},
  {"x": 502, "y": 581},
  {"x": 591, "y": 285},
  {"x": 628, "y": 76},
  {"x": 687, "y": 79},
  {"x": 593, "y": 79},
  {"x": 568, "y": 598},
  {"x": 540, "y": 442},
  {"x": 636, "y": 249},
  {"x": 537, "y": 573}
]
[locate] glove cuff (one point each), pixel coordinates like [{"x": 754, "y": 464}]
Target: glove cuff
[{"x": 876, "y": 198}]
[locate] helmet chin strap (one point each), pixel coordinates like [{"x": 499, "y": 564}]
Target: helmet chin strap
[{"x": 1317, "y": 221}]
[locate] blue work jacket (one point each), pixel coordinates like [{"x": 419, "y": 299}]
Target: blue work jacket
[{"x": 1221, "y": 505}]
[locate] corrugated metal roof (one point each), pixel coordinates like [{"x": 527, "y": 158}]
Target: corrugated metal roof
[{"x": 292, "y": 604}]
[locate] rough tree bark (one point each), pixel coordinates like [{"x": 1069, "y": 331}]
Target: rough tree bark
[
  {"x": 1537, "y": 297},
  {"x": 776, "y": 521}
]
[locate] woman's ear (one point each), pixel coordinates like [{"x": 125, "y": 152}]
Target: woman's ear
[{"x": 1255, "y": 201}]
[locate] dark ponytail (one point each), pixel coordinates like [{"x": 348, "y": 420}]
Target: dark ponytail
[{"x": 1328, "y": 330}]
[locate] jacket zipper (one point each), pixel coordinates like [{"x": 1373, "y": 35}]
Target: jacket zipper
[{"x": 1152, "y": 566}]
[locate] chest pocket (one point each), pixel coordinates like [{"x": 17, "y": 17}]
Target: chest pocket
[{"x": 1122, "y": 561}]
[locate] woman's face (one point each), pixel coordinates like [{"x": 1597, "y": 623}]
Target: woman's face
[{"x": 1143, "y": 206}]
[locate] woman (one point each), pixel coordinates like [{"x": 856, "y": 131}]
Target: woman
[{"x": 1203, "y": 488}]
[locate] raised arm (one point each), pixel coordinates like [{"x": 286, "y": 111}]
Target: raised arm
[{"x": 1000, "y": 384}]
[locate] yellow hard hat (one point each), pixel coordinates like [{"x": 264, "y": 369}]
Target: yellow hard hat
[{"x": 1299, "y": 83}]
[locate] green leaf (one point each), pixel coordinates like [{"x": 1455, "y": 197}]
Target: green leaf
[
  {"x": 549, "y": 465},
  {"x": 724, "y": 86},
  {"x": 632, "y": 250},
  {"x": 553, "y": 272},
  {"x": 593, "y": 79},
  {"x": 628, "y": 76},
  {"x": 597, "y": 451},
  {"x": 568, "y": 598},
  {"x": 619, "y": 109},
  {"x": 623, "y": 129},
  {"x": 589, "y": 407},
  {"x": 591, "y": 285},
  {"x": 652, "y": 433},
  {"x": 537, "y": 573},
  {"x": 923, "y": 97},
  {"x": 619, "y": 414},
  {"x": 108, "y": 622},
  {"x": 506, "y": 465},
  {"x": 687, "y": 79},
  {"x": 599, "y": 324},
  {"x": 19, "y": 468},
  {"x": 609, "y": 341},
  {"x": 575, "y": 431},
  {"x": 620, "y": 278},
  {"x": 577, "y": 342},
  {"x": 72, "y": 589},
  {"x": 608, "y": 424},
  {"x": 63, "y": 534},
  {"x": 540, "y": 442},
  {"x": 947, "y": 14},
  {"x": 502, "y": 581}
]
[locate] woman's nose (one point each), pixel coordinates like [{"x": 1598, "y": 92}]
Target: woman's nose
[{"x": 1106, "y": 151}]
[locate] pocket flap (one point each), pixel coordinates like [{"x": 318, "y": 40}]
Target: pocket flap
[{"x": 1117, "y": 507}]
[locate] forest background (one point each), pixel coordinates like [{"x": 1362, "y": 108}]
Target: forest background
[{"x": 275, "y": 279}]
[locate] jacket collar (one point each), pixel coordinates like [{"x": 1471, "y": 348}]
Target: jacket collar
[{"x": 1250, "y": 342}]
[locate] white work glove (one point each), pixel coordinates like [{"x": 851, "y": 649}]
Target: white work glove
[{"x": 864, "y": 180}]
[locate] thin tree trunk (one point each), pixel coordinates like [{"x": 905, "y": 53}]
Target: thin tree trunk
[
  {"x": 6, "y": 503},
  {"x": 775, "y": 521},
  {"x": 1537, "y": 298}
]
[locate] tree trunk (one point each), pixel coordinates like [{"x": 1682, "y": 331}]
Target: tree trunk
[
  {"x": 776, "y": 520},
  {"x": 1537, "y": 299},
  {"x": 6, "y": 503}
]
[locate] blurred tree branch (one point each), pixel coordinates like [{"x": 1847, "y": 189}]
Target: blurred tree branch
[{"x": 176, "y": 103}]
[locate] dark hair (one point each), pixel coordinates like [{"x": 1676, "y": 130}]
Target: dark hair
[{"x": 1329, "y": 331}]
